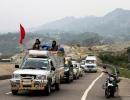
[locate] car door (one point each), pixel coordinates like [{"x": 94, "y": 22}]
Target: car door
[
  {"x": 71, "y": 71},
  {"x": 53, "y": 72}
]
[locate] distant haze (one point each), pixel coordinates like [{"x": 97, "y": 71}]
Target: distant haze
[{"x": 32, "y": 13}]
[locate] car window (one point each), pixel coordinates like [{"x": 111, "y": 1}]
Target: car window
[{"x": 90, "y": 61}]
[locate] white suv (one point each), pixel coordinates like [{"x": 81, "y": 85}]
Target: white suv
[{"x": 35, "y": 74}]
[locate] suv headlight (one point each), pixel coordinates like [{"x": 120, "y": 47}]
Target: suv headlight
[
  {"x": 41, "y": 77},
  {"x": 16, "y": 76},
  {"x": 66, "y": 69}
]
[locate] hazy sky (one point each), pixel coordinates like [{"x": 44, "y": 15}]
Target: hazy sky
[{"x": 32, "y": 13}]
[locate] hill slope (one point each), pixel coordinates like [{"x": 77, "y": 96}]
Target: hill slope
[{"x": 115, "y": 22}]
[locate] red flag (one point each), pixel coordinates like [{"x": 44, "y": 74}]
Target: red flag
[{"x": 22, "y": 32}]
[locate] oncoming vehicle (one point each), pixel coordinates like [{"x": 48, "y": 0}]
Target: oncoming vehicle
[
  {"x": 37, "y": 72},
  {"x": 90, "y": 64}
]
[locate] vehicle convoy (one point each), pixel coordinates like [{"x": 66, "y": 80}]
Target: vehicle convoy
[
  {"x": 111, "y": 85},
  {"x": 90, "y": 64},
  {"x": 76, "y": 71},
  {"x": 68, "y": 71},
  {"x": 40, "y": 70}
]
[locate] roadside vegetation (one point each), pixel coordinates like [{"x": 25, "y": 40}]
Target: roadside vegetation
[{"x": 119, "y": 60}]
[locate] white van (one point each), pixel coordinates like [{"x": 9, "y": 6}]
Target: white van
[{"x": 90, "y": 64}]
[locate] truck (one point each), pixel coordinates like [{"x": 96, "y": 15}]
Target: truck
[
  {"x": 39, "y": 70},
  {"x": 90, "y": 64}
]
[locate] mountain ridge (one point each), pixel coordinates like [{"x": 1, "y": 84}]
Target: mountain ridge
[{"x": 113, "y": 22}]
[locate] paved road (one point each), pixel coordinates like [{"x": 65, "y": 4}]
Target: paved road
[{"x": 72, "y": 91}]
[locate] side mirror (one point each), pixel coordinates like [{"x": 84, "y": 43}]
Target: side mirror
[
  {"x": 53, "y": 68},
  {"x": 16, "y": 66}
]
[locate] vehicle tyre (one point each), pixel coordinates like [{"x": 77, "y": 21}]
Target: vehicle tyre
[
  {"x": 67, "y": 80},
  {"x": 72, "y": 78},
  {"x": 112, "y": 92},
  {"x": 57, "y": 86},
  {"x": 14, "y": 92},
  {"x": 48, "y": 89},
  {"x": 78, "y": 76},
  {"x": 85, "y": 71},
  {"x": 107, "y": 93},
  {"x": 81, "y": 75}
]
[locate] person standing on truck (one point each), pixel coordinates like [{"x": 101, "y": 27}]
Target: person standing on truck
[
  {"x": 37, "y": 45},
  {"x": 54, "y": 46}
]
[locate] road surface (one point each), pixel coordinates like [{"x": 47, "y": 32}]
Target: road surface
[{"x": 73, "y": 91}]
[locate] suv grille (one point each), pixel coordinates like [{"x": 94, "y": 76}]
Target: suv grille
[
  {"x": 26, "y": 76},
  {"x": 90, "y": 66}
]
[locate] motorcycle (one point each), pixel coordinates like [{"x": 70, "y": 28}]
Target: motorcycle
[{"x": 111, "y": 85}]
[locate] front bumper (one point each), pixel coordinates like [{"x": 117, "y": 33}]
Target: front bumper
[
  {"x": 66, "y": 74},
  {"x": 90, "y": 69},
  {"x": 32, "y": 85}
]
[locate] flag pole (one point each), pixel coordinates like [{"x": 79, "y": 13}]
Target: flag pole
[{"x": 21, "y": 44}]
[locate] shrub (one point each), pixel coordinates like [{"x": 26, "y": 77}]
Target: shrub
[{"x": 114, "y": 59}]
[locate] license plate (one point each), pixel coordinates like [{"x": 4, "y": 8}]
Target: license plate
[{"x": 26, "y": 82}]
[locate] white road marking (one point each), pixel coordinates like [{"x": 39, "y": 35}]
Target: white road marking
[
  {"x": 8, "y": 93},
  {"x": 90, "y": 87}
]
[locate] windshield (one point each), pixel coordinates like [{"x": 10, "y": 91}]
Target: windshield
[
  {"x": 90, "y": 61},
  {"x": 35, "y": 64},
  {"x": 66, "y": 66}
]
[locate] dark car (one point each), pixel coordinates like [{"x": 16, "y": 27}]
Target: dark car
[{"x": 68, "y": 72}]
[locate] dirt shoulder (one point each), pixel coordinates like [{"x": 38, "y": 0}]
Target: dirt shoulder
[
  {"x": 124, "y": 87},
  {"x": 6, "y": 69}
]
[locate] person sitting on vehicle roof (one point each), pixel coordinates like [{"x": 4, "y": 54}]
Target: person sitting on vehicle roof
[
  {"x": 37, "y": 45},
  {"x": 54, "y": 46}
]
